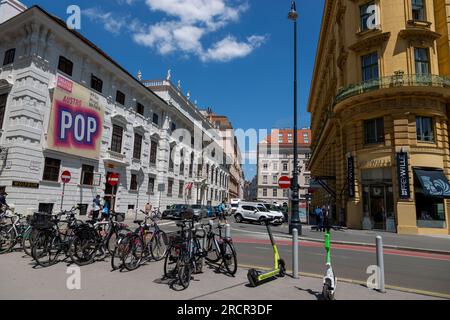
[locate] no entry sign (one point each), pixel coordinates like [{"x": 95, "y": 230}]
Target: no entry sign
[
  {"x": 284, "y": 182},
  {"x": 66, "y": 176},
  {"x": 113, "y": 179}
]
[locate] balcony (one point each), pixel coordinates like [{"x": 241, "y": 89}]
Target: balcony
[
  {"x": 116, "y": 158},
  {"x": 394, "y": 81}
]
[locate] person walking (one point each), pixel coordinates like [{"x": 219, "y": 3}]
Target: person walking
[
  {"x": 106, "y": 208},
  {"x": 326, "y": 218},
  {"x": 318, "y": 213},
  {"x": 148, "y": 208},
  {"x": 322, "y": 218},
  {"x": 96, "y": 207}
]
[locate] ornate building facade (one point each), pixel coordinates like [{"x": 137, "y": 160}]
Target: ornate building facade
[{"x": 379, "y": 105}]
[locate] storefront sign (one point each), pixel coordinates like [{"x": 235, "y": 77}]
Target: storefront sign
[
  {"x": 351, "y": 177},
  {"x": 76, "y": 120},
  {"x": 25, "y": 184},
  {"x": 403, "y": 176}
]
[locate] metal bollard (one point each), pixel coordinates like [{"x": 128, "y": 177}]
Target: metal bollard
[
  {"x": 380, "y": 264},
  {"x": 295, "y": 253},
  {"x": 227, "y": 231}
]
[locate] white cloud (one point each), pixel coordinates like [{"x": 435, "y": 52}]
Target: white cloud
[
  {"x": 111, "y": 23},
  {"x": 229, "y": 49},
  {"x": 187, "y": 24}
]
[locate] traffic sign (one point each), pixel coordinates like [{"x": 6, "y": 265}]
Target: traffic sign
[
  {"x": 66, "y": 176},
  {"x": 284, "y": 182},
  {"x": 113, "y": 179}
]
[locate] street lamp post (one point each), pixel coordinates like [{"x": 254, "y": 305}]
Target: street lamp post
[{"x": 295, "y": 217}]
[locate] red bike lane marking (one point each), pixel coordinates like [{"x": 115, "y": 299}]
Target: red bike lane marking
[{"x": 396, "y": 252}]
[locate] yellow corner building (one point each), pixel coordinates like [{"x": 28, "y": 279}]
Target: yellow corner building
[{"x": 380, "y": 106}]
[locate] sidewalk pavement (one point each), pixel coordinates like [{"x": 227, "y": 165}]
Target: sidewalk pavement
[{"x": 21, "y": 281}]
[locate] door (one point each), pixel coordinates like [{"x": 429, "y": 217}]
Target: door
[{"x": 111, "y": 192}]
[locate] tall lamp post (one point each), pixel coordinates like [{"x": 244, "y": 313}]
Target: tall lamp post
[{"x": 295, "y": 217}]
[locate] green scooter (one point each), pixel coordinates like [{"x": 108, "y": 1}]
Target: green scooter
[
  {"x": 256, "y": 277},
  {"x": 329, "y": 280}
]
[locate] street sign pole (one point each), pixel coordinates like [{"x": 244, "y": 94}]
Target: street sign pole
[
  {"x": 65, "y": 178},
  {"x": 62, "y": 196}
]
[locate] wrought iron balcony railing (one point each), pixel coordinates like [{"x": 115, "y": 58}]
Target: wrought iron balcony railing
[{"x": 394, "y": 81}]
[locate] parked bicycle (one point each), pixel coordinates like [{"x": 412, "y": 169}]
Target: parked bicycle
[
  {"x": 14, "y": 229},
  {"x": 220, "y": 248}
]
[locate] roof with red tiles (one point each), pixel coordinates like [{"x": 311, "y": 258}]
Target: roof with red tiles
[{"x": 286, "y": 137}]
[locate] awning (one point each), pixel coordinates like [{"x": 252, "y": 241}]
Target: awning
[{"x": 434, "y": 183}]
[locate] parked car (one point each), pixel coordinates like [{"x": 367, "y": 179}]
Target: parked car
[
  {"x": 175, "y": 211},
  {"x": 255, "y": 212},
  {"x": 212, "y": 211},
  {"x": 200, "y": 211},
  {"x": 276, "y": 209}
]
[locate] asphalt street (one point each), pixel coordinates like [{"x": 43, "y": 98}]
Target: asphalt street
[{"x": 405, "y": 269}]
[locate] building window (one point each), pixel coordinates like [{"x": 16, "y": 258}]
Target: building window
[
  {"x": 265, "y": 166},
  {"x": 96, "y": 83},
  {"x": 191, "y": 165},
  {"x": 155, "y": 118},
  {"x": 151, "y": 185},
  {"x": 182, "y": 169},
  {"x": 265, "y": 180},
  {"x": 422, "y": 61},
  {"x": 275, "y": 192},
  {"x": 9, "y": 56},
  {"x": 137, "y": 146},
  {"x": 171, "y": 163},
  {"x": 424, "y": 126},
  {"x": 140, "y": 108},
  {"x": 3, "y": 99},
  {"x": 285, "y": 193},
  {"x": 116, "y": 140},
  {"x": 370, "y": 67},
  {"x": 418, "y": 10},
  {"x": 275, "y": 179},
  {"x": 264, "y": 192},
  {"x": 173, "y": 126},
  {"x": 120, "y": 97},
  {"x": 51, "y": 169},
  {"x": 169, "y": 187},
  {"x": 306, "y": 138},
  {"x": 374, "y": 131},
  {"x": 192, "y": 142},
  {"x": 87, "y": 175},
  {"x": 285, "y": 167},
  {"x": 366, "y": 12},
  {"x": 181, "y": 189},
  {"x": 153, "y": 152},
  {"x": 275, "y": 166},
  {"x": 65, "y": 65},
  {"x": 133, "y": 183}
]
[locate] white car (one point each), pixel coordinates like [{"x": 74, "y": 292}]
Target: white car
[{"x": 255, "y": 212}]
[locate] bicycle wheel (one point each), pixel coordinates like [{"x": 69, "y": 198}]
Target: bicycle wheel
[
  {"x": 229, "y": 258},
  {"x": 27, "y": 240},
  {"x": 158, "y": 246},
  {"x": 184, "y": 272},
  {"x": 46, "y": 249},
  {"x": 82, "y": 251},
  {"x": 170, "y": 262},
  {"x": 7, "y": 238},
  {"x": 213, "y": 252},
  {"x": 133, "y": 254},
  {"x": 111, "y": 241}
]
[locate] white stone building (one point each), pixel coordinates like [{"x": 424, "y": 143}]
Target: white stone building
[{"x": 106, "y": 122}]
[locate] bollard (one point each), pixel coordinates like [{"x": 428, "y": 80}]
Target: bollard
[
  {"x": 227, "y": 231},
  {"x": 295, "y": 253},
  {"x": 380, "y": 263}
]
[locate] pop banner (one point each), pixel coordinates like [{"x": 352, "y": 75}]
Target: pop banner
[{"x": 76, "y": 120}]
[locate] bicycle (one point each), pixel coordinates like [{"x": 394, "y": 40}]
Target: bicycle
[
  {"x": 146, "y": 243},
  {"x": 14, "y": 232},
  {"x": 220, "y": 248}
]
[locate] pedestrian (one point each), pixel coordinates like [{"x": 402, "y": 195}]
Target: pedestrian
[
  {"x": 96, "y": 207},
  {"x": 326, "y": 219},
  {"x": 322, "y": 218},
  {"x": 221, "y": 211},
  {"x": 106, "y": 208},
  {"x": 3, "y": 204},
  {"x": 148, "y": 208},
  {"x": 317, "y": 213}
]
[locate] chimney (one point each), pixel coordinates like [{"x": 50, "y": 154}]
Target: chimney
[{"x": 10, "y": 9}]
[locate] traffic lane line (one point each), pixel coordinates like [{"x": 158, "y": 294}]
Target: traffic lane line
[{"x": 422, "y": 255}]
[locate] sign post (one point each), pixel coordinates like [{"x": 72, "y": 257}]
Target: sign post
[
  {"x": 65, "y": 178},
  {"x": 284, "y": 182},
  {"x": 113, "y": 181}
]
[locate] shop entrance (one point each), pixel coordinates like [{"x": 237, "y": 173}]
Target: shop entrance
[{"x": 378, "y": 200}]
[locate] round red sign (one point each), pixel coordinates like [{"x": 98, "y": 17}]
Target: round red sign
[
  {"x": 284, "y": 182},
  {"x": 66, "y": 176},
  {"x": 113, "y": 179}
]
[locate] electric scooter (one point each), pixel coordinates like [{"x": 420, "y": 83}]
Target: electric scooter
[
  {"x": 256, "y": 277},
  {"x": 329, "y": 280}
]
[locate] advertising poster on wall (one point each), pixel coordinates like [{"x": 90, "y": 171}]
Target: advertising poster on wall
[{"x": 76, "y": 120}]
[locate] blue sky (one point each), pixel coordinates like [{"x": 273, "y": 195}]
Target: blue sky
[{"x": 235, "y": 56}]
